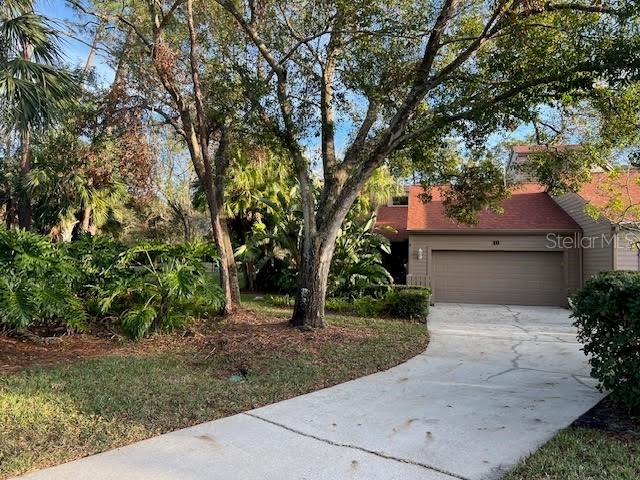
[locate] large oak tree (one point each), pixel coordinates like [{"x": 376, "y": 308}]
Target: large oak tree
[{"x": 385, "y": 75}]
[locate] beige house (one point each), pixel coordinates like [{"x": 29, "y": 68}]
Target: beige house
[{"x": 537, "y": 252}]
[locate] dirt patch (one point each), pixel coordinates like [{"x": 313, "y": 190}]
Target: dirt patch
[
  {"x": 240, "y": 336},
  {"x": 612, "y": 417},
  {"x": 18, "y": 353},
  {"x": 248, "y": 334}
]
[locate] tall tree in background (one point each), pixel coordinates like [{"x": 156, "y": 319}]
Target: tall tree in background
[
  {"x": 179, "y": 78},
  {"x": 393, "y": 73},
  {"x": 33, "y": 89}
]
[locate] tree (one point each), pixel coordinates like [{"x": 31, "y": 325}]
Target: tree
[
  {"x": 397, "y": 72},
  {"x": 607, "y": 128},
  {"x": 33, "y": 90},
  {"x": 188, "y": 91}
]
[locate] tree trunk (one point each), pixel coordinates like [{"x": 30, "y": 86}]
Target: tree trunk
[
  {"x": 228, "y": 268},
  {"x": 85, "y": 223},
  {"x": 313, "y": 275},
  {"x": 317, "y": 252},
  {"x": 9, "y": 212},
  {"x": 24, "y": 201}
]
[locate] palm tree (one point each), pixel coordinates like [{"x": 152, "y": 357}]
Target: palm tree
[{"x": 33, "y": 89}]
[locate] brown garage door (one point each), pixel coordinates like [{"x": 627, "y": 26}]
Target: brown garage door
[{"x": 505, "y": 278}]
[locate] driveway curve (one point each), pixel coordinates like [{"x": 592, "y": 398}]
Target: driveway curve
[{"x": 495, "y": 383}]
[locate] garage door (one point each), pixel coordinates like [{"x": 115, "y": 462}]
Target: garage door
[{"x": 505, "y": 278}]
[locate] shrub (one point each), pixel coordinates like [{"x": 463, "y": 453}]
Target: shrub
[
  {"x": 607, "y": 315},
  {"x": 144, "y": 287},
  {"x": 409, "y": 303},
  {"x": 37, "y": 283},
  {"x": 159, "y": 286},
  {"x": 396, "y": 301}
]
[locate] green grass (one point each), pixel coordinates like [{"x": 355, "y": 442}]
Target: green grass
[
  {"x": 49, "y": 416},
  {"x": 582, "y": 454}
]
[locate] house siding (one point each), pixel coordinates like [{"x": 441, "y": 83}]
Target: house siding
[
  {"x": 627, "y": 256},
  {"x": 420, "y": 269},
  {"x": 597, "y": 251}
]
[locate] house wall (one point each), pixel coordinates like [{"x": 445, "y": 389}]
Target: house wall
[
  {"x": 626, "y": 255},
  {"x": 420, "y": 272},
  {"x": 597, "y": 251}
]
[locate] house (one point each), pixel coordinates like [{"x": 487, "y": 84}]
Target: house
[{"x": 537, "y": 252}]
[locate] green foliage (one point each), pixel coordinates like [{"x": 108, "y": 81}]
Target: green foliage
[
  {"x": 145, "y": 287},
  {"x": 159, "y": 286},
  {"x": 37, "y": 283},
  {"x": 274, "y": 246},
  {"x": 396, "y": 301},
  {"x": 357, "y": 260},
  {"x": 607, "y": 314},
  {"x": 410, "y": 303},
  {"x": 562, "y": 170},
  {"x": 274, "y": 242},
  {"x": 33, "y": 90}
]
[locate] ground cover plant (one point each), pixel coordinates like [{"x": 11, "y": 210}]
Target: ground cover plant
[{"x": 603, "y": 444}]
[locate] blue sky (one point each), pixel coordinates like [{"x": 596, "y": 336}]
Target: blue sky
[{"x": 75, "y": 51}]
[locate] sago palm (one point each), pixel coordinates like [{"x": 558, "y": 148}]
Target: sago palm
[{"x": 33, "y": 89}]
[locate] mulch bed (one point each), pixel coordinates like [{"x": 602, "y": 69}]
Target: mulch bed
[
  {"x": 241, "y": 335},
  {"x": 611, "y": 417}
]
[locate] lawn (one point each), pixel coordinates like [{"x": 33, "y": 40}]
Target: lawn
[
  {"x": 58, "y": 413},
  {"x": 583, "y": 454},
  {"x": 603, "y": 444}
]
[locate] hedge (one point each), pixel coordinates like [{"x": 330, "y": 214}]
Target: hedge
[
  {"x": 399, "y": 301},
  {"x": 607, "y": 315}
]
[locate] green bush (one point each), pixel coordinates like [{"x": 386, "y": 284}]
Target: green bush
[
  {"x": 607, "y": 315},
  {"x": 37, "y": 283},
  {"x": 159, "y": 287},
  {"x": 409, "y": 303},
  {"x": 141, "y": 288},
  {"x": 397, "y": 301}
]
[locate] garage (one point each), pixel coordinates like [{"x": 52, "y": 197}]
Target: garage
[{"x": 499, "y": 277}]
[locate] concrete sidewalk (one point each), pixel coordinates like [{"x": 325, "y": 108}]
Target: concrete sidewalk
[{"x": 495, "y": 383}]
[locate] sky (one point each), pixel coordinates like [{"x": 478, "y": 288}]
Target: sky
[{"x": 76, "y": 51}]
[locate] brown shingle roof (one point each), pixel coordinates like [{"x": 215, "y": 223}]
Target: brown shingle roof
[
  {"x": 603, "y": 185},
  {"x": 528, "y": 208},
  {"x": 392, "y": 217}
]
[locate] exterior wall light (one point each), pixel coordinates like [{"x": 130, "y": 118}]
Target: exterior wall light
[{"x": 420, "y": 254}]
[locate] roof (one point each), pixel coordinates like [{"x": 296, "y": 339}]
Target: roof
[
  {"x": 602, "y": 187},
  {"x": 393, "y": 217},
  {"x": 528, "y": 208},
  {"x": 527, "y": 149}
]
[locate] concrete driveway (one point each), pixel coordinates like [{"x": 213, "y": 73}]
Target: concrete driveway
[{"x": 495, "y": 383}]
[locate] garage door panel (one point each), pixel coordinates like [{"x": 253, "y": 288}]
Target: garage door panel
[{"x": 525, "y": 278}]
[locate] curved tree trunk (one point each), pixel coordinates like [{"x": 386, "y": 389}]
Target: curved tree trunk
[{"x": 320, "y": 233}]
